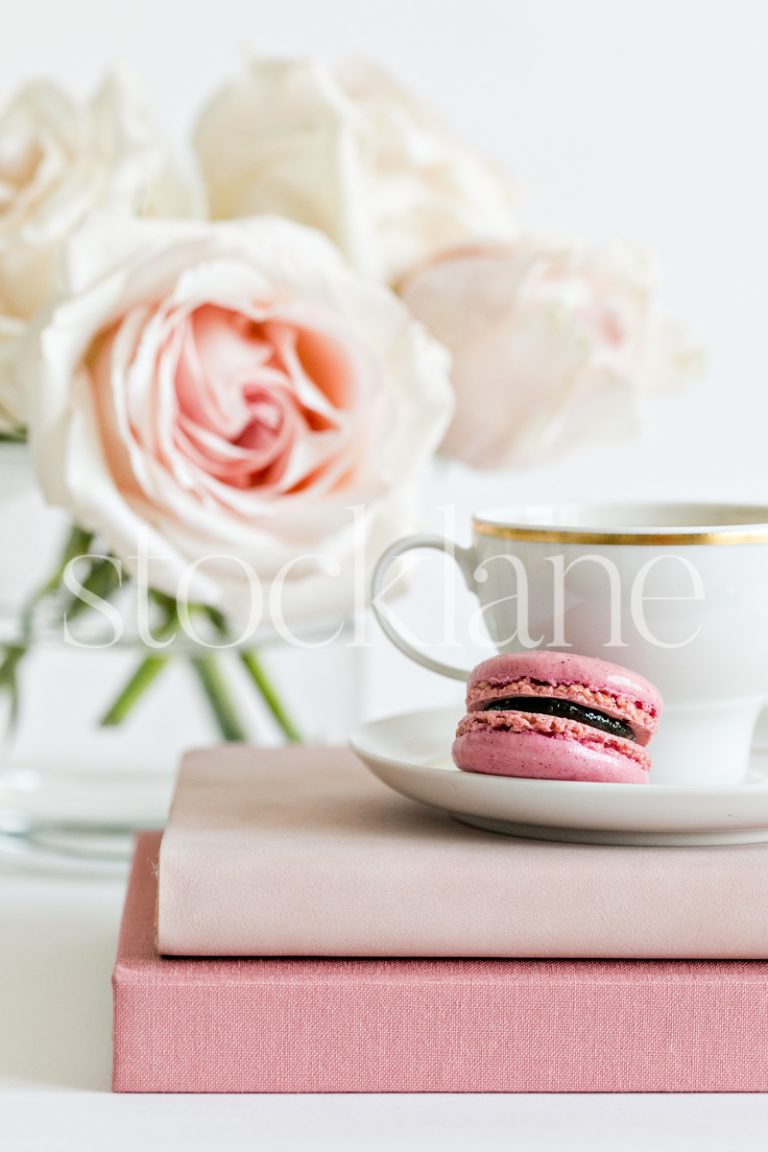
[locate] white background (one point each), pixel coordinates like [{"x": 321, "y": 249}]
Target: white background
[{"x": 637, "y": 119}]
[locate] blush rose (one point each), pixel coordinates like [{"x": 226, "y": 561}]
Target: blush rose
[
  {"x": 552, "y": 345},
  {"x": 230, "y": 393},
  {"x": 60, "y": 161}
]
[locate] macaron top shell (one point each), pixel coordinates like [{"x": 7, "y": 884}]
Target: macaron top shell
[{"x": 584, "y": 680}]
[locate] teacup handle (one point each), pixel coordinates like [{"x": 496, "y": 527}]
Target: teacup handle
[{"x": 464, "y": 557}]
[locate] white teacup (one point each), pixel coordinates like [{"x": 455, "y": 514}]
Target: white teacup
[{"x": 677, "y": 592}]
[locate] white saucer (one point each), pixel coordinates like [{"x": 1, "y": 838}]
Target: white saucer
[{"x": 412, "y": 754}]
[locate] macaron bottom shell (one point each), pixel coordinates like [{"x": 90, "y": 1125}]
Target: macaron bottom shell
[{"x": 540, "y": 756}]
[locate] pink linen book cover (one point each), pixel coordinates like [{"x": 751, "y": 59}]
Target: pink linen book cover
[
  {"x": 300, "y": 851},
  {"x": 334, "y": 1025}
]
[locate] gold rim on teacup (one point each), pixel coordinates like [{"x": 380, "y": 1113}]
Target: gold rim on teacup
[{"x": 752, "y": 529}]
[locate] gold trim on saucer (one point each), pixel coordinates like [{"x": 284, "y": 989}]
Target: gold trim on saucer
[{"x": 737, "y": 534}]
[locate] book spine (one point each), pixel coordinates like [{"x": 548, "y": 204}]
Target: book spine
[{"x": 540, "y": 1035}]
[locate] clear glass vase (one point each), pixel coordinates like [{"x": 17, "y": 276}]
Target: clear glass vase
[{"x": 74, "y": 789}]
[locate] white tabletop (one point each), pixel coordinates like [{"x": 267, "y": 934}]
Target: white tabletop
[{"x": 57, "y": 943}]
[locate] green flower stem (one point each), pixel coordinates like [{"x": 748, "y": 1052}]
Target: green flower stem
[
  {"x": 78, "y": 542},
  {"x": 140, "y": 682},
  {"x": 255, "y": 669},
  {"x": 9, "y": 681},
  {"x": 250, "y": 661},
  {"x": 143, "y": 678},
  {"x": 209, "y": 674},
  {"x": 103, "y": 581},
  {"x": 8, "y": 667},
  {"x": 206, "y": 669},
  {"x": 14, "y": 654}
]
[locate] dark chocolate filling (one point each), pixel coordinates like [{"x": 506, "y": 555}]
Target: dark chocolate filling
[{"x": 556, "y": 706}]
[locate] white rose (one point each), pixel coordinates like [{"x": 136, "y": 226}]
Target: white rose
[
  {"x": 552, "y": 344},
  {"x": 349, "y": 153},
  {"x": 232, "y": 391},
  {"x": 58, "y": 162}
]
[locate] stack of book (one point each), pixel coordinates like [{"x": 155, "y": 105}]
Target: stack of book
[{"x": 300, "y": 928}]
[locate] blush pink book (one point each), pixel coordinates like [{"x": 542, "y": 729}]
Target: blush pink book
[
  {"x": 409, "y": 1025},
  {"x": 301, "y": 852}
]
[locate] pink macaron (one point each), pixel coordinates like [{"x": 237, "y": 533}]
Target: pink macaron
[{"x": 557, "y": 716}]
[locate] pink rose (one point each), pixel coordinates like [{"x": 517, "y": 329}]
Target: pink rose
[
  {"x": 552, "y": 344},
  {"x": 233, "y": 391}
]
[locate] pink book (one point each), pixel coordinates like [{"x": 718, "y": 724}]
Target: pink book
[
  {"x": 333, "y": 1025},
  {"x": 301, "y": 852}
]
